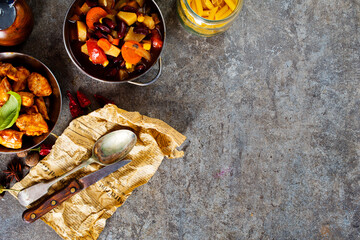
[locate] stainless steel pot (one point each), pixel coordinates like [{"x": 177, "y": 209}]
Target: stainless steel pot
[{"x": 67, "y": 42}]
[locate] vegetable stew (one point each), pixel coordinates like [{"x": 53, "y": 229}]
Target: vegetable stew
[{"x": 116, "y": 40}]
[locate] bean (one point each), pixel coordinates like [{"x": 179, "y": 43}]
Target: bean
[
  {"x": 100, "y": 34},
  {"x": 96, "y": 25},
  {"x": 118, "y": 59},
  {"x": 141, "y": 30},
  {"x": 122, "y": 30},
  {"x": 140, "y": 68},
  {"x": 102, "y": 27},
  {"x": 111, "y": 72},
  {"x": 109, "y": 23},
  {"x": 129, "y": 9},
  {"x": 91, "y": 3}
]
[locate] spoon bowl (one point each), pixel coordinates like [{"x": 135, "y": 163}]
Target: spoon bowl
[
  {"x": 109, "y": 149},
  {"x": 113, "y": 146}
]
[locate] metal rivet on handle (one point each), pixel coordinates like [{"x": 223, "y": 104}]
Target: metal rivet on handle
[
  {"x": 72, "y": 190},
  {"x": 53, "y": 202},
  {"x": 33, "y": 216}
]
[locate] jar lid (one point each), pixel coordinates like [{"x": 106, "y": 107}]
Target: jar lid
[{"x": 7, "y": 14}]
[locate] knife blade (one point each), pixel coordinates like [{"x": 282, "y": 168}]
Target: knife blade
[{"x": 54, "y": 200}]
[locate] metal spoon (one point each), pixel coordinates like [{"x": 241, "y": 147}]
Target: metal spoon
[{"x": 109, "y": 149}]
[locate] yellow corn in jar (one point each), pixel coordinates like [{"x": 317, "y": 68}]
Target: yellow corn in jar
[{"x": 208, "y": 17}]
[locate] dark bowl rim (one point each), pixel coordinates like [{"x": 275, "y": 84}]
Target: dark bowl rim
[
  {"x": 14, "y": 151},
  {"x": 68, "y": 50}
]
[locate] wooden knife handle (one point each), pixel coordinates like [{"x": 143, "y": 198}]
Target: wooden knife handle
[{"x": 32, "y": 214}]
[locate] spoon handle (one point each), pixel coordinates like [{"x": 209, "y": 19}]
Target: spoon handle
[{"x": 82, "y": 165}]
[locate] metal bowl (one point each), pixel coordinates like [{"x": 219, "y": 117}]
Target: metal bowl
[
  {"x": 34, "y": 65},
  {"x": 89, "y": 69}
]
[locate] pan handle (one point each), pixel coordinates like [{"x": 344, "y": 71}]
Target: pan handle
[{"x": 153, "y": 80}]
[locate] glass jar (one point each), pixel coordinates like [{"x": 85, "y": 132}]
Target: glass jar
[{"x": 202, "y": 26}]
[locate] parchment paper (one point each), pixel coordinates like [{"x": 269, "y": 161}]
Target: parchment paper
[{"x": 84, "y": 215}]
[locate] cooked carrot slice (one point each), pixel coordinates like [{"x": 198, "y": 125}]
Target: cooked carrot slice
[
  {"x": 128, "y": 52},
  {"x": 104, "y": 44},
  {"x": 116, "y": 41},
  {"x": 94, "y": 16}
]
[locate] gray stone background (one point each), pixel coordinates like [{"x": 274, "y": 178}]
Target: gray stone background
[{"x": 272, "y": 105}]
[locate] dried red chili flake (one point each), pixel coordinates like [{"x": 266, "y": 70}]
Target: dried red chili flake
[
  {"x": 45, "y": 149},
  {"x": 103, "y": 100},
  {"x": 83, "y": 100},
  {"x": 75, "y": 108}
]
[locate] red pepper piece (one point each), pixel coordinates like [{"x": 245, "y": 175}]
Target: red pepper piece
[
  {"x": 75, "y": 109},
  {"x": 97, "y": 55},
  {"x": 156, "y": 39},
  {"x": 103, "y": 100},
  {"x": 45, "y": 149},
  {"x": 83, "y": 100}
]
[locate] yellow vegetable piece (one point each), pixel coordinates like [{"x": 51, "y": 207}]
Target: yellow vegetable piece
[
  {"x": 212, "y": 13},
  {"x": 82, "y": 32},
  {"x": 84, "y": 49},
  {"x": 131, "y": 36},
  {"x": 106, "y": 63},
  {"x": 199, "y": 8},
  {"x": 221, "y": 12},
  {"x": 149, "y": 22},
  {"x": 113, "y": 51},
  {"x": 140, "y": 18},
  {"x": 128, "y": 65},
  {"x": 147, "y": 45},
  {"x": 208, "y": 4},
  {"x": 231, "y": 4},
  {"x": 84, "y": 8},
  {"x": 128, "y": 17}
]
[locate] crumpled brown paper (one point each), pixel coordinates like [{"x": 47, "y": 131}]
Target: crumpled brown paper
[{"x": 84, "y": 215}]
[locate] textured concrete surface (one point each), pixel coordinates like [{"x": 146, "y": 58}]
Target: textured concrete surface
[{"x": 271, "y": 111}]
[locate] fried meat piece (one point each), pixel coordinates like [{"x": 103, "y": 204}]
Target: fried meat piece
[
  {"x": 5, "y": 87},
  {"x": 40, "y": 103},
  {"x": 22, "y": 74},
  {"x": 27, "y": 98},
  {"x": 32, "y": 124},
  {"x": 6, "y": 69},
  {"x": 31, "y": 110},
  {"x": 11, "y": 138},
  {"x": 39, "y": 85}
]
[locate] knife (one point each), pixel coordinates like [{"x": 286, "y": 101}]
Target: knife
[{"x": 54, "y": 200}]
